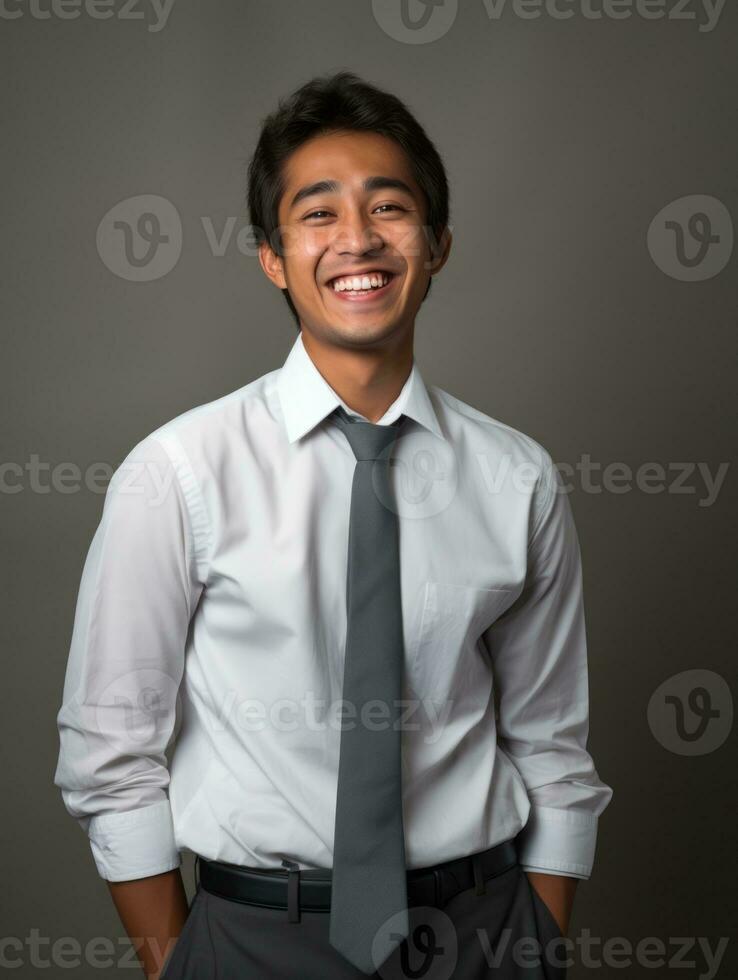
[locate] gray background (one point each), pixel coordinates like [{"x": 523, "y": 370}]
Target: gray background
[{"x": 563, "y": 140}]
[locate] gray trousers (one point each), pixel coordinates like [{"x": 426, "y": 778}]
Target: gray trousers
[{"x": 506, "y": 933}]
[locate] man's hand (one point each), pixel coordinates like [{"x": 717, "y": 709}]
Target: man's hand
[
  {"x": 557, "y": 892},
  {"x": 153, "y": 911}
]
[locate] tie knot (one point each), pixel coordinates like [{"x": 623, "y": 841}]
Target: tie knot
[{"x": 367, "y": 440}]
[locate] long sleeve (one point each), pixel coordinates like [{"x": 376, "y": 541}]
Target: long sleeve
[
  {"x": 538, "y": 652},
  {"x": 138, "y": 591}
]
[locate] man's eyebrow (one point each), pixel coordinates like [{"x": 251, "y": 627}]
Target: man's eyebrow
[{"x": 333, "y": 186}]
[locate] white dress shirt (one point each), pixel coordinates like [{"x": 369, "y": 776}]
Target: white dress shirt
[{"x": 211, "y": 620}]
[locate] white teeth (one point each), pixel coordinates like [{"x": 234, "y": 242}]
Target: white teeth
[{"x": 372, "y": 280}]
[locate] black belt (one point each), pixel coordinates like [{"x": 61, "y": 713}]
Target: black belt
[{"x": 309, "y": 890}]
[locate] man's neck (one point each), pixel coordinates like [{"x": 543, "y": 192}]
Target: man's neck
[{"x": 367, "y": 380}]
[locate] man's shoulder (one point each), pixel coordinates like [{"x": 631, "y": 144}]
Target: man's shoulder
[
  {"x": 486, "y": 432},
  {"x": 210, "y": 423}
]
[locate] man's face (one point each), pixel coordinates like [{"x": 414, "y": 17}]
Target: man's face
[{"x": 368, "y": 223}]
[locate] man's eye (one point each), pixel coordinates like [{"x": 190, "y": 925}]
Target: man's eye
[{"x": 316, "y": 214}]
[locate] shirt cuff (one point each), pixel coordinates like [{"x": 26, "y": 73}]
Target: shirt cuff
[
  {"x": 134, "y": 844},
  {"x": 556, "y": 841}
]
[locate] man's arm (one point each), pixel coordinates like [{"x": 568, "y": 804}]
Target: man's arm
[
  {"x": 140, "y": 585},
  {"x": 153, "y": 911},
  {"x": 538, "y": 653},
  {"x": 557, "y": 891}
]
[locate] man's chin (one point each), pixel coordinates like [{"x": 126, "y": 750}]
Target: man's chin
[{"x": 363, "y": 330}]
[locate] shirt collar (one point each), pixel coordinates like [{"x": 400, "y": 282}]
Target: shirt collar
[{"x": 307, "y": 398}]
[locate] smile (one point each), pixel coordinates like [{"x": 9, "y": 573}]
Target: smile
[{"x": 361, "y": 288}]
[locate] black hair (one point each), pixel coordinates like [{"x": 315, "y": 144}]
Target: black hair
[{"x": 340, "y": 101}]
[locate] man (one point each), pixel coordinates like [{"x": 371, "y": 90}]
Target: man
[{"x": 362, "y": 598}]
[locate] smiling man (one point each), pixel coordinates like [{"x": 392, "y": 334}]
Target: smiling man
[{"x": 366, "y": 598}]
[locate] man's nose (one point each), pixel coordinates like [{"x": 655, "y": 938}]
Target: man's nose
[{"x": 356, "y": 233}]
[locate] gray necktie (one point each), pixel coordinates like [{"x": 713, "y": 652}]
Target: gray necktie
[{"x": 369, "y": 877}]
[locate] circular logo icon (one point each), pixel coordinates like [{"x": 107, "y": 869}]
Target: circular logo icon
[
  {"x": 140, "y": 239},
  {"x": 691, "y": 713},
  {"x": 692, "y": 239},
  {"x": 138, "y": 708},
  {"x": 430, "y": 950},
  {"x": 423, "y": 475},
  {"x": 415, "y": 21}
]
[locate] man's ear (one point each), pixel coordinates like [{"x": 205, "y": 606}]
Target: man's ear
[
  {"x": 439, "y": 249},
  {"x": 272, "y": 265}
]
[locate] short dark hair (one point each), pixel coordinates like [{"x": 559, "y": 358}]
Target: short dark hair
[{"x": 327, "y": 103}]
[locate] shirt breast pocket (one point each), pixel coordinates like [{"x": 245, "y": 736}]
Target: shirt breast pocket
[{"x": 446, "y": 661}]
